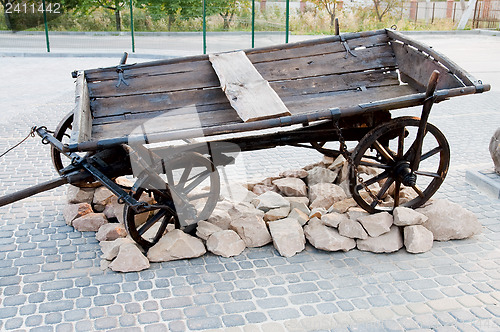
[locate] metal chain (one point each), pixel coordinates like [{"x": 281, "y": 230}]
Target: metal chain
[
  {"x": 348, "y": 157},
  {"x": 31, "y": 134}
]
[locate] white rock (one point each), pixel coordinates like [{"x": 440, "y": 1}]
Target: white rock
[
  {"x": 327, "y": 238},
  {"x": 204, "y": 229},
  {"x": 352, "y": 229},
  {"x": 260, "y": 189},
  {"x": 110, "y": 248},
  {"x": 495, "y": 150},
  {"x": 275, "y": 214},
  {"x": 220, "y": 218},
  {"x": 377, "y": 224},
  {"x": 407, "y": 194},
  {"x": 237, "y": 192},
  {"x": 110, "y": 232},
  {"x": 388, "y": 242},
  {"x": 288, "y": 236},
  {"x": 176, "y": 245},
  {"x": 418, "y": 239},
  {"x": 129, "y": 259},
  {"x": 102, "y": 196},
  {"x": 301, "y": 217},
  {"x": 270, "y": 200},
  {"x": 291, "y": 187},
  {"x": 320, "y": 175},
  {"x": 224, "y": 205},
  {"x": 225, "y": 243},
  {"x": 76, "y": 195},
  {"x": 90, "y": 222},
  {"x": 124, "y": 182},
  {"x": 252, "y": 229},
  {"x": 333, "y": 219},
  {"x": 449, "y": 221},
  {"x": 296, "y": 173},
  {"x": 343, "y": 205},
  {"x": 73, "y": 211},
  {"x": 355, "y": 212},
  {"x": 404, "y": 216},
  {"x": 301, "y": 203},
  {"x": 337, "y": 163},
  {"x": 317, "y": 213},
  {"x": 325, "y": 194}
]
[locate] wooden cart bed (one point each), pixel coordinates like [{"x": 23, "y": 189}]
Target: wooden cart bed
[{"x": 308, "y": 76}]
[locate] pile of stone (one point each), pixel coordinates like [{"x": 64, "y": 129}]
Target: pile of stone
[{"x": 310, "y": 204}]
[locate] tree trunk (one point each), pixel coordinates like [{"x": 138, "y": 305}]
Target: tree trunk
[
  {"x": 376, "y": 3},
  {"x": 7, "y": 20},
  {"x": 118, "y": 19},
  {"x": 171, "y": 20}
]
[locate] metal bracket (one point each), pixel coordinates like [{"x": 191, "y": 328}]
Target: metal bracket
[
  {"x": 347, "y": 48},
  {"x": 119, "y": 70}
]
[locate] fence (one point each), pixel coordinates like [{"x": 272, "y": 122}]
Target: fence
[{"x": 215, "y": 25}]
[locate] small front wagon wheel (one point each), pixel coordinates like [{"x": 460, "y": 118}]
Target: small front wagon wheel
[{"x": 382, "y": 160}]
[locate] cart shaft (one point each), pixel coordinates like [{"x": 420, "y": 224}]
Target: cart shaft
[{"x": 22, "y": 194}]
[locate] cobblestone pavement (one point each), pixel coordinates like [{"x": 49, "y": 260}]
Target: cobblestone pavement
[{"x": 50, "y": 276}]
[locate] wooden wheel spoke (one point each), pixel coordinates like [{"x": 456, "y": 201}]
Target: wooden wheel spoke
[
  {"x": 377, "y": 178},
  {"x": 397, "y": 190},
  {"x": 430, "y": 174},
  {"x": 151, "y": 221},
  {"x": 382, "y": 191},
  {"x": 431, "y": 153},
  {"x": 418, "y": 191},
  {"x": 199, "y": 196},
  {"x": 184, "y": 177},
  {"x": 401, "y": 142},
  {"x": 387, "y": 155},
  {"x": 372, "y": 164},
  {"x": 196, "y": 182}
]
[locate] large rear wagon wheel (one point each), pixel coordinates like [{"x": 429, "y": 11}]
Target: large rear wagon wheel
[{"x": 382, "y": 159}]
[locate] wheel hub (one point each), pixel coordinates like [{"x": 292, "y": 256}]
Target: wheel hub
[{"x": 404, "y": 174}]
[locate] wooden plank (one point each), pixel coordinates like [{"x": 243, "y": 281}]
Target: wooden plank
[
  {"x": 110, "y": 72},
  {"x": 200, "y": 74},
  {"x": 222, "y": 116},
  {"x": 416, "y": 68},
  {"x": 249, "y": 94},
  {"x": 105, "y": 107},
  {"x": 82, "y": 117},
  {"x": 452, "y": 67}
]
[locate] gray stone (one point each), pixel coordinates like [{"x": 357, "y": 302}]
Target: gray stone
[
  {"x": 356, "y": 212},
  {"x": 320, "y": 175},
  {"x": 225, "y": 243},
  {"x": 404, "y": 216},
  {"x": 73, "y": 211},
  {"x": 204, "y": 229},
  {"x": 327, "y": 238},
  {"x": 317, "y": 212},
  {"x": 333, "y": 219},
  {"x": 176, "y": 245},
  {"x": 275, "y": 214},
  {"x": 301, "y": 203},
  {"x": 260, "y": 189},
  {"x": 102, "y": 196},
  {"x": 385, "y": 243},
  {"x": 76, "y": 195},
  {"x": 343, "y": 205},
  {"x": 295, "y": 173},
  {"x": 377, "y": 224},
  {"x": 495, "y": 150},
  {"x": 90, "y": 222},
  {"x": 449, "y": 221},
  {"x": 301, "y": 217},
  {"x": 270, "y": 200},
  {"x": 288, "y": 236},
  {"x": 110, "y": 248},
  {"x": 129, "y": 259},
  {"x": 110, "y": 232},
  {"x": 291, "y": 187},
  {"x": 352, "y": 229},
  {"x": 220, "y": 218},
  {"x": 325, "y": 194},
  {"x": 337, "y": 163},
  {"x": 252, "y": 230},
  {"x": 417, "y": 239}
]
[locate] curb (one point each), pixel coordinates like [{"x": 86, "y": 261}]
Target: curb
[
  {"x": 86, "y": 55},
  {"x": 487, "y": 181}
]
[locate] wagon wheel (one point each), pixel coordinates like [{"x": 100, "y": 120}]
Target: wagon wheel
[
  {"x": 391, "y": 142},
  {"x": 63, "y": 134},
  {"x": 174, "y": 191}
]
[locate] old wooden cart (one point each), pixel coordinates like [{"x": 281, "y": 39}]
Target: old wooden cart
[{"x": 336, "y": 89}]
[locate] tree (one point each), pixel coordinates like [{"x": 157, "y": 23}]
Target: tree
[
  {"x": 330, "y": 6},
  {"x": 226, "y": 9},
  {"x": 173, "y": 8},
  {"x": 8, "y": 20},
  {"x": 89, "y": 6},
  {"x": 380, "y": 11}
]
